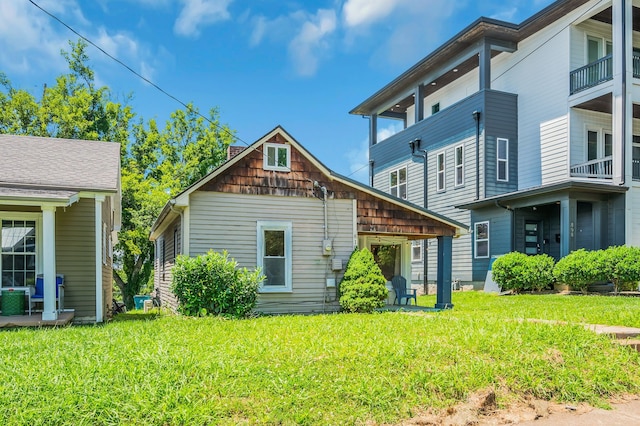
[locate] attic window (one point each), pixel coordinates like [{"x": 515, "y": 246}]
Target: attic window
[{"x": 277, "y": 157}]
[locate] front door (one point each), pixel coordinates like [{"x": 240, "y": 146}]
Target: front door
[{"x": 533, "y": 237}]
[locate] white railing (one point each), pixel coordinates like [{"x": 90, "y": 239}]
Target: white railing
[{"x": 601, "y": 168}]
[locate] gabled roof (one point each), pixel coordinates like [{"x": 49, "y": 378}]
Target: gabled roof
[
  {"x": 182, "y": 199},
  {"x": 59, "y": 164}
]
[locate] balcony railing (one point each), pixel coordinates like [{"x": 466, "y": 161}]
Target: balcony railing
[
  {"x": 592, "y": 74},
  {"x": 635, "y": 169},
  {"x": 601, "y": 168}
]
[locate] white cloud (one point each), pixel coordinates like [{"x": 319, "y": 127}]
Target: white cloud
[
  {"x": 310, "y": 42},
  {"x": 199, "y": 13},
  {"x": 367, "y": 12}
]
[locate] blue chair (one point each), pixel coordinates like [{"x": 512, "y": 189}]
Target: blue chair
[
  {"x": 38, "y": 296},
  {"x": 399, "y": 284}
]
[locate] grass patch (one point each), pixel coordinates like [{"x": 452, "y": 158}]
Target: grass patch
[{"x": 325, "y": 369}]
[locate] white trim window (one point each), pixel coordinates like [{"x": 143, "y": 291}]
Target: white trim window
[
  {"x": 481, "y": 240},
  {"x": 440, "y": 172},
  {"x": 19, "y": 251},
  {"x": 599, "y": 144},
  {"x": 277, "y": 156},
  {"x": 459, "y": 165},
  {"x": 502, "y": 160},
  {"x": 398, "y": 183},
  {"x": 275, "y": 255},
  {"x": 416, "y": 250}
]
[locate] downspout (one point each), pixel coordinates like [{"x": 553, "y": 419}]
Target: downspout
[
  {"x": 513, "y": 224},
  {"x": 624, "y": 89},
  {"x": 423, "y": 155},
  {"x": 371, "y": 162},
  {"x": 476, "y": 117}
]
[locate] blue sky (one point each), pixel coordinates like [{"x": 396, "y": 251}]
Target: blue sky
[{"x": 301, "y": 64}]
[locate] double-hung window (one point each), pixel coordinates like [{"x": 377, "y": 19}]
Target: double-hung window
[
  {"x": 599, "y": 144},
  {"x": 416, "y": 251},
  {"x": 274, "y": 255},
  {"x": 481, "y": 239},
  {"x": 502, "y": 162},
  {"x": 459, "y": 157},
  {"x": 440, "y": 176},
  {"x": 398, "y": 183},
  {"x": 277, "y": 157},
  {"x": 18, "y": 253}
]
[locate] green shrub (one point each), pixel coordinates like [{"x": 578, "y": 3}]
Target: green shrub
[
  {"x": 519, "y": 272},
  {"x": 212, "y": 284},
  {"x": 363, "y": 287},
  {"x": 621, "y": 266},
  {"x": 579, "y": 269}
]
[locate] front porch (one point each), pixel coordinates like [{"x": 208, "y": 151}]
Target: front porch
[{"x": 35, "y": 320}]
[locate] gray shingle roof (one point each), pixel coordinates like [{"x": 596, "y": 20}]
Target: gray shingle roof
[{"x": 59, "y": 163}]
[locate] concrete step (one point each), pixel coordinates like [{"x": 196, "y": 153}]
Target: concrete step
[{"x": 633, "y": 343}]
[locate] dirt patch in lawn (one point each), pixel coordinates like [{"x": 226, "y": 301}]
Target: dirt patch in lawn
[{"x": 481, "y": 409}]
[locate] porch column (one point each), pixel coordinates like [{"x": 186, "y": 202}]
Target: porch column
[
  {"x": 485, "y": 65},
  {"x": 49, "y": 312},
  {"x": 418, "y": 101},
  {"x": 622, "y": 108},
  {"x": 98, "y": 251},
  {"x": 443, "y": 285},
  {"x": 568, "y": 216},
  {"x": 373, "y": 129}
]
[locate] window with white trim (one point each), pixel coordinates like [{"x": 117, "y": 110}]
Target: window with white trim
[
  {"x": 599, "y": 144},
  {"x": 275, "y": 255},
  {"x": 502, "y": 161},
  {"x": 416, "y": 250},
  {"x": 459, "y": 165},
  {"x": 18, "y": 252},
  {"x": 277, "y": 157},
  {"x": 398, "y": 183},
  {"x": 440, "y": 176},
  {"x": 481, "y": 240}
]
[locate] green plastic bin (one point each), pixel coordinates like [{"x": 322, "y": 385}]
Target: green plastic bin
[{"x": 12, "y": 302}]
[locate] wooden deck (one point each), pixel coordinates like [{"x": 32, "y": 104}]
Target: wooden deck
[{"x": 35, "y": 320}]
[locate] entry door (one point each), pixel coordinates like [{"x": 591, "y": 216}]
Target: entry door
[{"x": 532, "y": 237}]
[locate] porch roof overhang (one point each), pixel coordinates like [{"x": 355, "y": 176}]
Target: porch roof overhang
[
  {"x": 545, "y": 190},
  {"x": 25, "y": 196}
]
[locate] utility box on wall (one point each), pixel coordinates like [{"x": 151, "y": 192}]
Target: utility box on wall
[
  {"x": 327, "y": 247},
  {"x": 336, "y": 264}
]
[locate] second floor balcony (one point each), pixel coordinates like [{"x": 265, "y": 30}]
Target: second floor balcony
[
  {"x": 602, "y": 168},
  {"x": 598, "y": 72}
]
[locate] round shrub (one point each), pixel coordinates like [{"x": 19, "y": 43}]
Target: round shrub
[
  {"x": 212, "y": 284},
  {"x": 363, "y": 287},
  {"x": 579, "y": 269},
  {"x": 519, "y": 272},
  {"x": 621, "y": 266}
]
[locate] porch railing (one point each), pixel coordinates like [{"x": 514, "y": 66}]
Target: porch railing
[
  {"x": 593, "y": 74},
  {"x": 635, "y": 169},
  {"x": 601, "y": 168}
]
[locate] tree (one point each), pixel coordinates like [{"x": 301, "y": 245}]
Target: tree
[{"x": 156, "y": 163}]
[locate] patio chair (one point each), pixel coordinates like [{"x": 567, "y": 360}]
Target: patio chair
[
  {"x": 399, "y": 284},
  {"x": 118, "y": 307},
  {"x": 38, "y": 296}
]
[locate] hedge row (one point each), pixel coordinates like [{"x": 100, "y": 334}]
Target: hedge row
[{"x": 619, "y": 265}]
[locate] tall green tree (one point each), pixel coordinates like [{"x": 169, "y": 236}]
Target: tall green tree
[{"x": 157, "y": 162}]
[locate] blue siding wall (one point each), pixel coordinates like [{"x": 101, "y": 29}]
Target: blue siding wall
[{"x": 499, "y": 236}]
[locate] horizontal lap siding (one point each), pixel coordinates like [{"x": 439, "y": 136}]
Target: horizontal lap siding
[
  {"x": 164, "y": 277},
  {"x": 554, "y": 145},
  {"x": 107, "y": 269},
  {"x": 222, "y": 221},
  {"x": 75, "y": 256}
]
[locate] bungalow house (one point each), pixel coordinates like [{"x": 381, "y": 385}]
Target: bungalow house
[
  {"x": 274, "y": 205},
  {"x": 528, "y": 133},
  {"x": 59, "y": 215}
]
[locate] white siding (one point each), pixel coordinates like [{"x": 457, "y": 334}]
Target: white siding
[
  {"x": 581, "y": 122},
  {"x": 632, "y": 202},
  {"x": 554, "y": 147},
  {"x": 221, "y": 221}
]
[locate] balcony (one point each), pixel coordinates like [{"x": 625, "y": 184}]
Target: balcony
[
  {"x": 597, "y": 72},
  {"x": 601, "y": 168}
]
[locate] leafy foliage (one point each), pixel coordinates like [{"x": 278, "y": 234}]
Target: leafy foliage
[
  {"x": 579, "y": 269},
  {"x": 157, "y": 162},
  {"x": 519, "y": 272},
  {"x": 213, "y": 284},
  {"x": 621, "y": 266},
  {"x": 363, "y": 287}
]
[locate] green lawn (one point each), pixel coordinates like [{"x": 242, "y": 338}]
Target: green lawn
[{"x": 325, "y": 369}]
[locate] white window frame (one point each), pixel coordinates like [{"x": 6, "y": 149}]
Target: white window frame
[
  {"x": 277, "y": 147},
  {"x": 601, "y": 137},
  {"x": 287, "y": 227},
  {"x": 603, "y": 44},
  {"x": 441, "y": 174},
  {"x": 417, "y": 244},
  {"x": 504, "y": 161},
  {"x": 399, "y": 184},
  {"x": 37, "y": 217},
  {"x": 477, "y": 240},
  {"x": 458, "y": 167}
]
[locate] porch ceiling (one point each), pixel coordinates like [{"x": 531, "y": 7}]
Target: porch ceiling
[
  {"x": 604, "y": 104},
  {"x": 605, "y": 16}
]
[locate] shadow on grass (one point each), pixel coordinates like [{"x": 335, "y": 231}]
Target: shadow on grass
[{"x": 139, "y": 315}]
